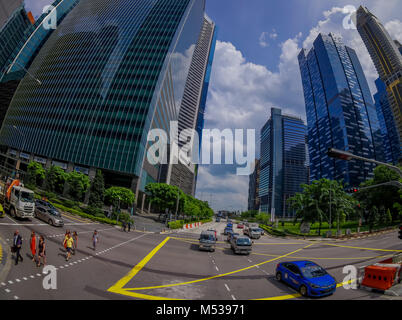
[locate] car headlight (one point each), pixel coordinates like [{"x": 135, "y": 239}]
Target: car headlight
[{"x": 314, "y": 286}]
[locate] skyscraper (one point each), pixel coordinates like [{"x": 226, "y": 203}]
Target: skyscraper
[
  {"x": 7, "y": 7},
  {"x": 254, "y": 187},
  {"x": 110, "y": 72},
  {"x": 283, "y": 167},
  {"x": 21, "y": 40},
  {"x": 387, "y": 59},
  {"x": 392, "y": 145},
  {"x": 191, "y": 114},
  {"x": 340, "y": 111}
]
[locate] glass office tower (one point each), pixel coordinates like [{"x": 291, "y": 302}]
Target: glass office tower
[
  {"x": 253, "y": 187},
  {"x": 283, "y": 167},
  {"x": 109, "y": 73},
  {"x": 191, "y": 115},
  {"x": 387, "y": 59},
  {"x": 392, "y": 145},
  {"x": 340, "y": 111}
]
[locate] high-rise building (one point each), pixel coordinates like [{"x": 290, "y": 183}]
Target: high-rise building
[
  {"x": 22, "y": 38},
  {"x": 110, "y": 72},
  {"x": 7, "y": 7},
  {"x": 340, "y": 111},
  {"x": 191, "y": 114},
  {"x": 254, "y": 187},
  {"x": 392, "y": 145},
  {"x": 283, "y": 167},
  {"x": 387, "y": 59}
]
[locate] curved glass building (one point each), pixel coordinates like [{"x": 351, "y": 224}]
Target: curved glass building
[{"x": 110, "y": 72}]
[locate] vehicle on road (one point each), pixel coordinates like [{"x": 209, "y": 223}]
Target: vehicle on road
[
  {"x": 214, "y": 231},
  {"x": 252, "y": 232},
  {"x": 218, "y": 219},
  {"x": 17, "y": 200},
  {"x": 227, "y": 229},
  {"x": 261, "y": 231},
  {"x": 2, "y": 212},
  {"x": 241, "y": 244},
  {"x": 240, "y": 226},
  {"x": 207, "y": 241},
  {"x": 307, "y": 277},
  {"x": 50, "y": 215},
  {"x": 231, "y": 234}
]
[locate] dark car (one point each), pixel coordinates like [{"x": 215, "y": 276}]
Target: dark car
[
  {"x": 307, "y": 277},
  {"x": 231, "y": 234},
  {"x": 207, "y": 241}
]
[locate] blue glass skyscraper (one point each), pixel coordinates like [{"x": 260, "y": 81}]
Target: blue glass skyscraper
[
  {"x": 283, "y": 166},
  {"x": 389, "y": 130},
  {"x": 340, "y": 111}
]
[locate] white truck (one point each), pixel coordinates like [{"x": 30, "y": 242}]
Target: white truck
[{"x": 17, "y": 200}]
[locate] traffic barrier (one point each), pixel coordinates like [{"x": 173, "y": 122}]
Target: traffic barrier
[
  {"x": 381, "y": 276},
  {"x": 192, "y": 225}
]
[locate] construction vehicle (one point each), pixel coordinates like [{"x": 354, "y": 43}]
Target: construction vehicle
[{"x": 17, "y": 200}]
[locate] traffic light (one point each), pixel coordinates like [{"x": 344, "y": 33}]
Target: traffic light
[{"x": 352, "y": 190}]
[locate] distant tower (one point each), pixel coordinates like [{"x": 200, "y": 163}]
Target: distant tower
[
  {"x": 283, "y": 167},
  {"x": 387, "y": 59}
]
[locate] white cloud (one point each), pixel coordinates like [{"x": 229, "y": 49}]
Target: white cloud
[{"x": 263, "y": 40}]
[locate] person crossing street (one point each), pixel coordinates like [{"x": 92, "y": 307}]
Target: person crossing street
[{"x": 17, "y": 244}]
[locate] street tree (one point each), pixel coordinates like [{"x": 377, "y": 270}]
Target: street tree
[
  {"x": 119, "y": 195},
  {"x": 97, "y": 191},
  {"x": 78, "y": 184},
  {"x": 55, "y": 179},
  {"x": 164, "y": 196},
  {"x": 35, "y": 174}
]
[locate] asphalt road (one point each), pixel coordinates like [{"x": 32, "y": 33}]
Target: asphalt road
[{"x": 145, "y": 265}]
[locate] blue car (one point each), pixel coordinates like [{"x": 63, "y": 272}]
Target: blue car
[
  {"x": 227, "y": 229},
  {"x": 307, "y": 277}
]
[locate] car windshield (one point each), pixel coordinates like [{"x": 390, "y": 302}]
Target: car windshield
[
  {"x": 313, "y": 271},
  {"x": 255, "y": 230},
  {"x": 208, "y": 237},
  {"x": 243, "y": 242},
  {"x": 54, "y": 213},
  {"x": 27, "y": 196}
]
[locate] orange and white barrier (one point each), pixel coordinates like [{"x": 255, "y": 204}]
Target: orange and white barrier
[{"x": 192, "y": 225}]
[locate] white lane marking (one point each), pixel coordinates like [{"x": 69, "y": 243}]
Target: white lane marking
[
  {"x": 249, "y": 260},
  {"x": 258, "y": 267},
  {"x": 216, "y": 268},
  {"x": 227, "y": 288},
  {"x": 7, "y": 290},
  {"x": 15, "y": 222},
  {"x": 10, "y": 282},
  {"x": 16, "y": 298},
  {"x": 233, "y": 297},
  {"x": 38, "y": 274},
  {"x": 32, "y": 277},
  {"x": 25, "y": 278},
  {"x": 3, "y": 284},
  {"x": 18, "y": 280}
]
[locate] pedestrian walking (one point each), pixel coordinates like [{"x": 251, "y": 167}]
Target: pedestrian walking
[
  {"x": 95, "y": 239},
  {"x": 69, "y": 243},
  {"x": 32, "y": 245},
  {"x": 41, "y": 251},
  {"x": 75, "y": 238},
  {"x": 17, "y": 242},
  {"x": 65, "y": 238},
  {"x": 129, "y": 225},
  {"x": 123, "y": 225}
]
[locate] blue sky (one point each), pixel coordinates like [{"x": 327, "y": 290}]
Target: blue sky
[{"x": 255, "y": 68}]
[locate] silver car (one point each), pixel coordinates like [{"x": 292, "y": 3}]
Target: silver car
[
  {"x": 241, "y": 244},
  {"x": 49, "y": 215}
]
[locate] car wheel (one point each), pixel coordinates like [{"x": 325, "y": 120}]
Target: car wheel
[
  {"x": 12, "y": 212},
  {"x": 51, "y": 222},
  {"x": 303, "y": 291},
  {"x": 278, "y": 276}
]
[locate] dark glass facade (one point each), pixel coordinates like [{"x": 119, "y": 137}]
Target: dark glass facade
[
  {"x": 340, "y": 111},
  {"x": 253, "y": 188},
  {"x": 283, "y": 165},
  {"x": 110, "y": 72},
  {"x": 392, "y": 145}
]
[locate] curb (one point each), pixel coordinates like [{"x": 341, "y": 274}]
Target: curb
[{"x": 388, "y": 292}]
